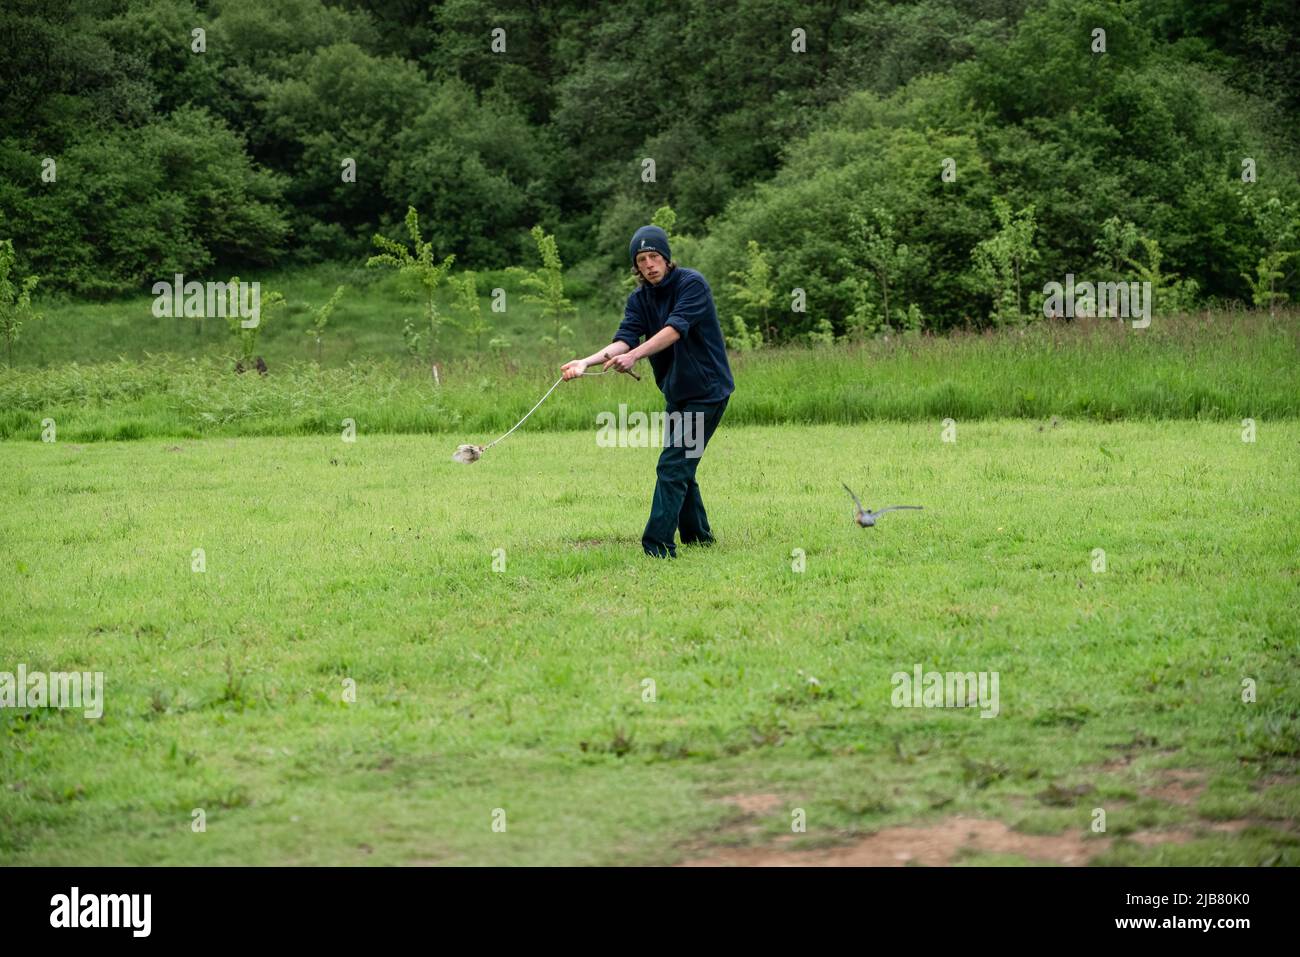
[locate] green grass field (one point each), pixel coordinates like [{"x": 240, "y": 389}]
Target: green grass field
[{"x": 522, "y": 689}]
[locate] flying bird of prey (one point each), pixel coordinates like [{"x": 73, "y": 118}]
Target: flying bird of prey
[{"x": 867, "y": 518}]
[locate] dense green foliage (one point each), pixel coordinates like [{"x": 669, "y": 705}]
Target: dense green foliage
[{"x": 291, "y": 131}]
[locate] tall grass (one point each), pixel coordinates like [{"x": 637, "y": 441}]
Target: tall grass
[
  {"x": 1208, "y": 366},
  {"x": 366, "y": 325}
]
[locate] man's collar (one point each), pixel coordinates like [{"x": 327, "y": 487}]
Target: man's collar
[{"x": 669, "y": 281}]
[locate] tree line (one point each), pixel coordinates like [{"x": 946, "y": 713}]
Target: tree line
[{"x": 909, "y": 165}]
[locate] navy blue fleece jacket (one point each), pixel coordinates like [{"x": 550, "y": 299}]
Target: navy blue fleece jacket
[{"x": 695, "y": 367}]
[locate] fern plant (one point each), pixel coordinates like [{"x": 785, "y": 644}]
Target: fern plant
[
  {"x": 322, "y": 316},
  {"x": 546, "y": 285},
  {"x": 417, "y": 271},
  {"x": 246, "y": 337},
  {"x": 467, "y": 305}
]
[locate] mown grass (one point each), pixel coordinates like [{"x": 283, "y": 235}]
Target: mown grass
[
  {"x": 1220, "y": 367},
  {"x": 523, "y": 689}
]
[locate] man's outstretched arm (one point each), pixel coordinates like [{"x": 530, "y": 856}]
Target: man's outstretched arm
[
  {"x": 626, "y": 359},
  {"x": 577, "y": 367}
]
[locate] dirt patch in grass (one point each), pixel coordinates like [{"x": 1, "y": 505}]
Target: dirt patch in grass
[
  {"x": 931, "y": 845},
  {"x": 943, "y": 843},
  {"x": 1179, "y": 787},
  {"x": 1272, "y": 780},
  {"x": 754, "y": 803}
]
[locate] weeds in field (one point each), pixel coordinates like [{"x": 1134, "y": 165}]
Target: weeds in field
[
  {"x": 322, "y": 316},
  {"x": 1221, "y": 367},
  {"x": 419, "y": 273},
  {"x": 546, "y": 286}
]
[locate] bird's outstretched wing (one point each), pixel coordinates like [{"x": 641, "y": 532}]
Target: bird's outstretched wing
[
  {"x": 852, "y": 496},
  {"x": 894, "y": 508}
]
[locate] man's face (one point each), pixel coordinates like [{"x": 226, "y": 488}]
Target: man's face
[{"x": 652, "y": 265}]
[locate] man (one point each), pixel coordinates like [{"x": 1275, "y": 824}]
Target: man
[{"x": 671, "y": 320}]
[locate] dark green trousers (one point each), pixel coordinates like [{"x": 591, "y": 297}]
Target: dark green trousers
[{"x": 677, "y": 503}]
